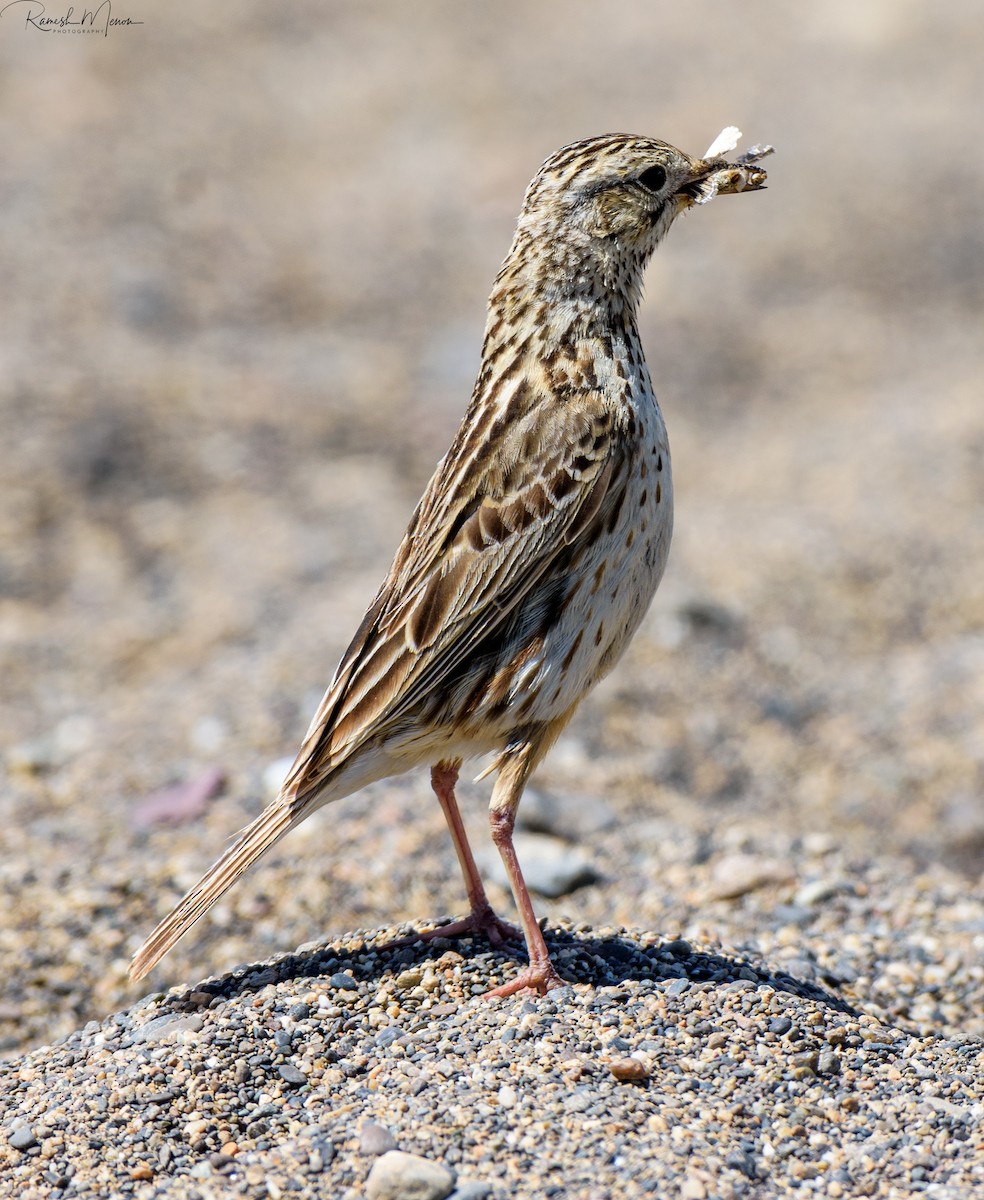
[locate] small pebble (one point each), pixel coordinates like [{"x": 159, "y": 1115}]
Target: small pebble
[
  {"x": 819, "y": 890},
  {"x": 828, "y": 1063},
  {"x": 162, "y": 1028},
  {"x": 629, "y": 1070},
  {"x": 572, "y": 816},
  {"x": 182, "y": 802},
  {"x": 375, "y": 1139},
  {"x": 400, "y": 1176},
  {"x": 738, "y": 874},
  {"x": 343, "y": 981},
  {"x": 472, "y": 1189},
  {"x": 22, "y": 1138}
]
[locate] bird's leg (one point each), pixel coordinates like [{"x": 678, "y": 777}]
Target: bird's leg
[
  {"x": 541, "y": 975},
  {"x": 482, "y": 918}
]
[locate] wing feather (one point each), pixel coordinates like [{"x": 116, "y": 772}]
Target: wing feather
[{"x": 489, "y": 526}]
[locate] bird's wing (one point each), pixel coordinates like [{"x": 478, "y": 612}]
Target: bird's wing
[{"x": 514, "y": 491}]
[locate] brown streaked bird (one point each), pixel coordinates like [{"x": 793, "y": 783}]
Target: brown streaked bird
[{"x": 538, "y": 544}]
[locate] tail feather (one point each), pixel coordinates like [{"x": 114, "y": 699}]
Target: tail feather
[{"x": 268, "y": 828}]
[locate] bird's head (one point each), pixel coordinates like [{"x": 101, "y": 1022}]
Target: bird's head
[{"x": 626, "y": 188}]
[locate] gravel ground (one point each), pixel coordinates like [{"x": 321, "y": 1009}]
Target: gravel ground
[
  {"x": 666, "y": 1068},
  {"x": 245, "y": 252}
]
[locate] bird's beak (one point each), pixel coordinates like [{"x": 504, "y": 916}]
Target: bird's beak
[{"x": 718, "y": 177}]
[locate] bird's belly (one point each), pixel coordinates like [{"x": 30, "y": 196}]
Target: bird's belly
[
  {"x": 607, "y": 591},
  {"x": 616, "y": 586}
]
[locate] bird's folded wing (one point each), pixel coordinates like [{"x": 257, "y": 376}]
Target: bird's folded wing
[{"x": 507, "y": 500}]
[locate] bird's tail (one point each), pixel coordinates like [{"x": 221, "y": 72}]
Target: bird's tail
[{"x": 268, "y": 828}]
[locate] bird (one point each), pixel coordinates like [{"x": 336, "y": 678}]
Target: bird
[{"x": 537, "y": 546}]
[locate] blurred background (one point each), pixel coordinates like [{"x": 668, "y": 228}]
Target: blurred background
[{"x": 245, "y": 250}]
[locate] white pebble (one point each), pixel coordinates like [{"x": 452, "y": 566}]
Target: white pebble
[{"x": 397, "y": 1175}]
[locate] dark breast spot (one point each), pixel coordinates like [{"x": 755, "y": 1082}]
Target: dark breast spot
[
  {"x": 569, "y": 656},
  {"x": 616, "y": 512}
]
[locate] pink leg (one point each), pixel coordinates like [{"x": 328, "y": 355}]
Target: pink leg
[
  {"x": 540, "y": 976},
  {"x": 482, "y": 918}
]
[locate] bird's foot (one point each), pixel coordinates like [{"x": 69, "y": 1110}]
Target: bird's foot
[
  {"x": 480, "y": 920},
  {"x": 485, "y": 921},
  {"x": 538, "y": 978}
]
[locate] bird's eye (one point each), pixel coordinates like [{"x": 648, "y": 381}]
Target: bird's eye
[{"x": 653, "y": 178}]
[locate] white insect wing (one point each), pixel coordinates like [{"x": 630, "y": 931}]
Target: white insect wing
[{"x": 726, "y": 140}]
